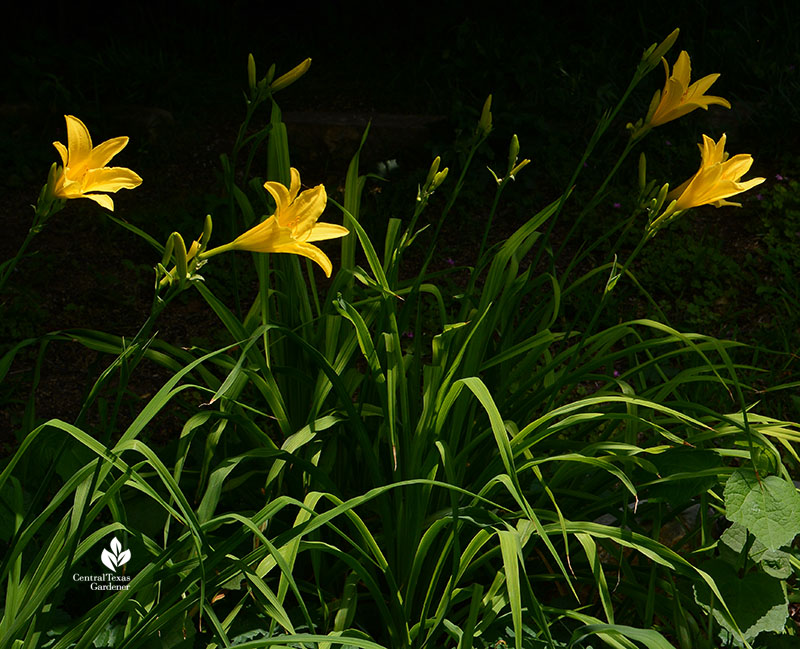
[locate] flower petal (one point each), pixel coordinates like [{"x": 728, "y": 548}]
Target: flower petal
[
  {"x": 679, "y": 98},
  {"x": 323, "y": 231},
  {"x": 110, "y": 179},
  {"x": 79, "y": 141},
  {"x": 717, "y": 179},
  {"x": 265, "y": 237},
  {"x": 701, "y": 86},
  {"x": 682, "y": 70},
  {"x": 305, "y": 211},
  {"x": 102, "y": 153},
  {"x": 294, "y": 183},
  {"x": 62, "y": 151},
  {"x": 312, "y": 252},
  {"x": 280, "y": 194},
  {"x": 104, "y": 200}
]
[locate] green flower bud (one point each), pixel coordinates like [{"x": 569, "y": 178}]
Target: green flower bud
[
  {"x": 181, "y": 266},
  {"x": 207, "y": 226},
  {"x": 433, "y": 170},
  {"x": 251, "y": 72},
  {"x": 662, "y": 195},
  {"x": 485, "y": 122},
  {"x": 513, "y": 173},
  {"x": 438, "y": 179},
  {"x": 291, "y": 76},
  {"x": 267, "y": 79},
  {"x": 655, "y": 56},
  {"x": 170, "y": 245},
  {"x": 642, "y": 172},
  {"x": 513, "y": 151}
]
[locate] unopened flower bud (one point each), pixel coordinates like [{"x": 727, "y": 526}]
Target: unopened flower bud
[
  {"x": 438, "y": 179},
  {"x": 662, "y": 195},
  {"x": 513, "y": 150},
  {"x": 654, "y": 56},
  {"x": 654, "y": 102},
  {"x": 251, "y": 72},
  {"x": 207, "y": 226},
  {"x": 290, "y": 77},
  {"x": 170, "y": 245},
  {"x": 192, "y": 252},
  {"x": 433, "y": 170},
  {"x": 642, "y": 172},
  {"x": 179, "y": 251},
  {"x": 513, "y": 173},
  {"x": 485, "y": 122},
  {"x": 48, "y": 191}
]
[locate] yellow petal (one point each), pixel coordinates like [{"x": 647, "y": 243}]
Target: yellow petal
[
  {"x": 104, "y": 200},
  {"x": 323, "y": 231},
  {"x": 62, "y": 151},
  {"x": 737, "y": 166},
  {"x": 267, "y": 236},
  {"x": 110, "y": 179},
  {"x": 68, "y": 188},
  {"x": 102, "y": 153},
  {"x": 679, "y": 98},
  {"x": 294, "y": 183},
  {"x": 682, "y": 71},
  {"x": 305, "y": 211},
  {"x": 280, "y": 194},
  {"x": 79, "y": 141},
  {"x": 701, "y": 86},
  {"x": 312, "y": 252}
]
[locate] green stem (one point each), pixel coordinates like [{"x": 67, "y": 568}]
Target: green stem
[
  {"x": 486, "y": 229},
  {"x": 596, "y": 197},
  {"x": 588, "y": 330},
  {"x": 45, "y": 208},
  {"x": 602, "y": 127}
]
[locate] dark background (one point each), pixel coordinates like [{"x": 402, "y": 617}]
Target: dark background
[{"x": 172, "y": 76}]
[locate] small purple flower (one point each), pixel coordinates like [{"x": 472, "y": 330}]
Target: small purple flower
[
  {"x": 759, "y": 197},
  {"x": 779, "y": 177},
  {"x": 585, "y": 165},
  {"x": 617, "y": 205},
  {"x": 616, "y": 373},
  {"x": 667, "y": 142},
  {"x": 450, "y": 261},
  {"x": 408, "y": 334}
]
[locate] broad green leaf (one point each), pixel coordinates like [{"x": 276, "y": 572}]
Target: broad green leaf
[
  {"x": 682, "y": 465},
  {"x": 770, "y": 509},
  {"x": 756, "y": 601},
  {"x": 775, "y": 563}
]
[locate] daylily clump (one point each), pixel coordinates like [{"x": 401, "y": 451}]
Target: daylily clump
[
  {"x": 293, "y": 225},
  {"x": 717, "y": 179},
  {"x": 85, "y": 172}
]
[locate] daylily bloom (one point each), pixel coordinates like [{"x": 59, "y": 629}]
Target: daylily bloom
[
  {"x": 292, "y": 226},
  {"x": 717, "y": 179},
  {"x": 678, "y": 97},
  {"x": 85, "y": 172}
]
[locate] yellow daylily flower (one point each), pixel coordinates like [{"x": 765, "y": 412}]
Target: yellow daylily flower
[
  {"x": 292, "y": 226},
  {"x": 85, "y": 172},
  {"x": 717, "y": 179},
  {"x": 678, "y": 97}
]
